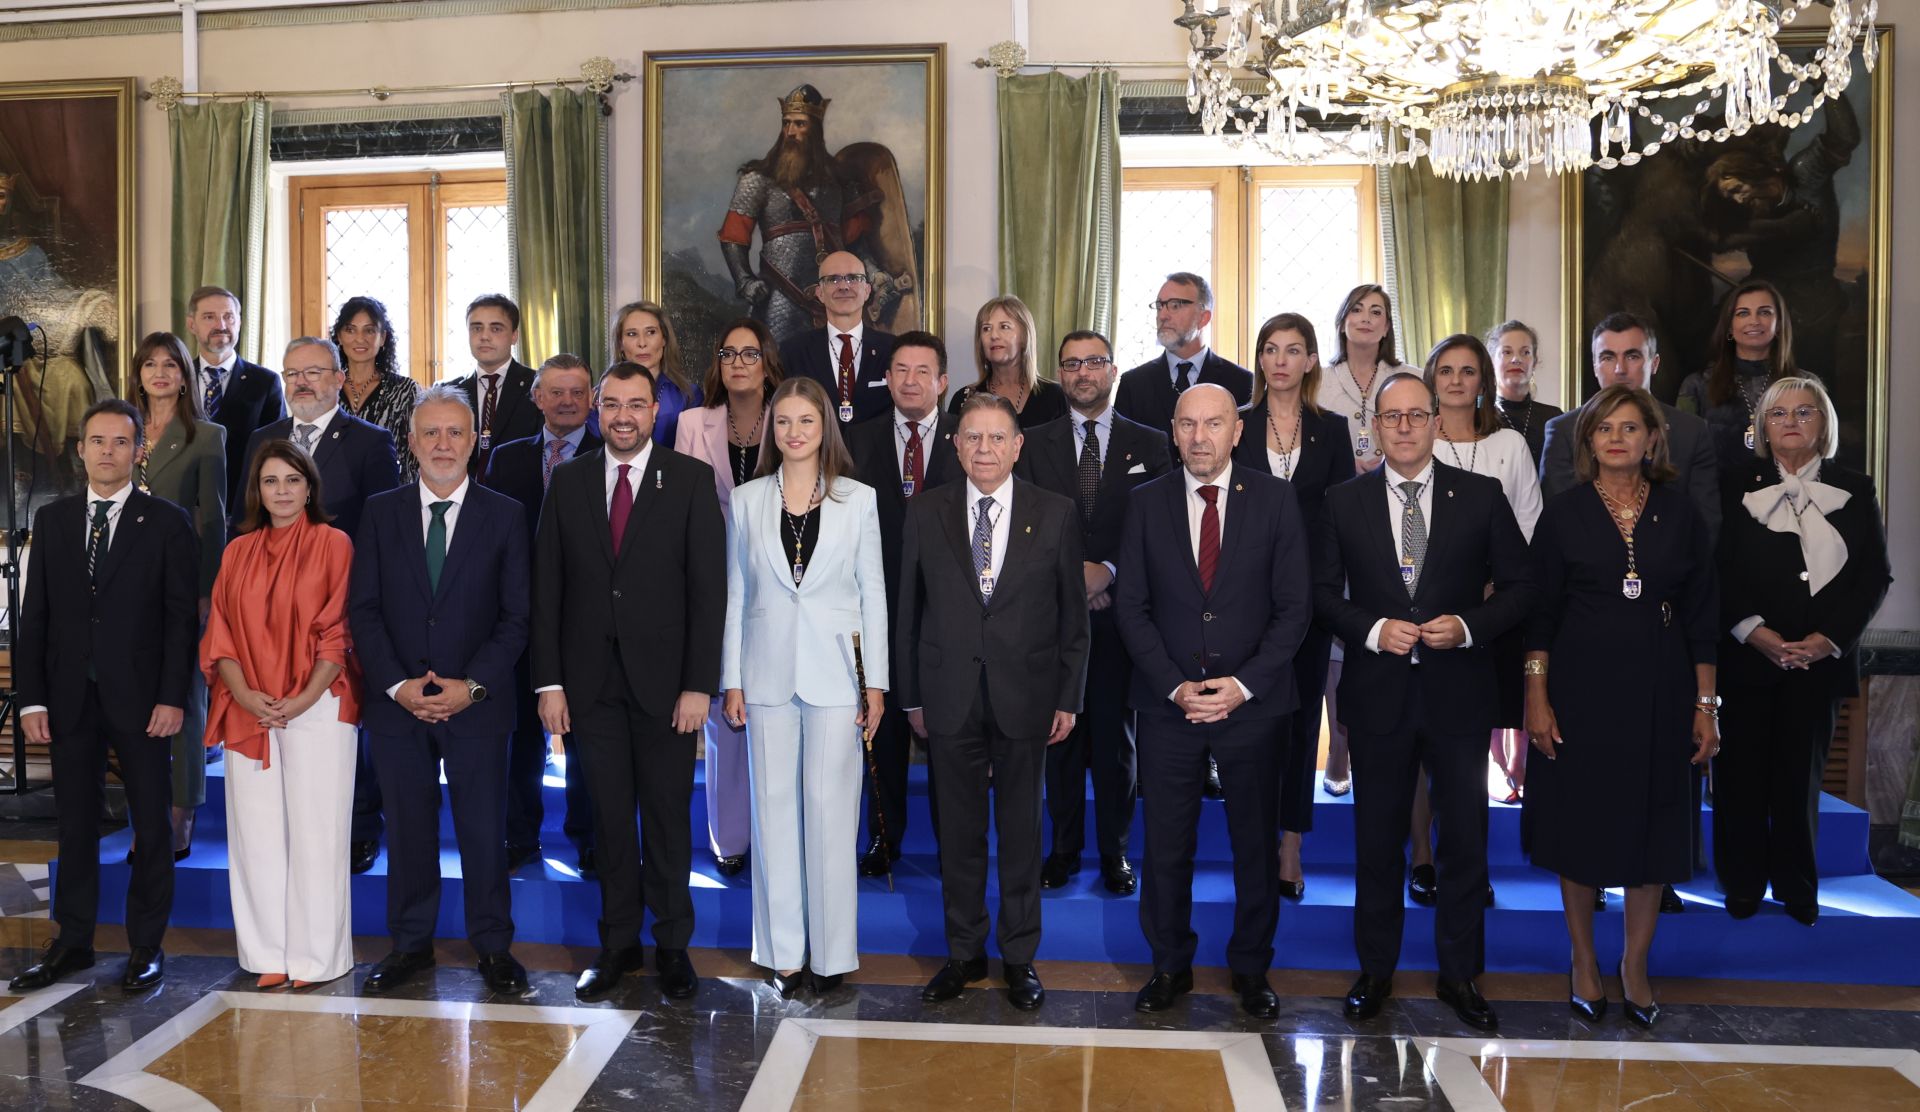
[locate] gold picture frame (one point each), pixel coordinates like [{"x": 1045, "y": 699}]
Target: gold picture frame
[
  {"x": 709, "y": 114},
  {"x": 1863, "y": 257}
]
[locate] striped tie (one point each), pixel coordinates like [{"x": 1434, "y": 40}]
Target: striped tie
[
  {"x": 554, "y": 448},
  {"x": 214, "y": 391},
  {"x": 983, "y": 536},
  {"x": 97, "y": 536},
  {"x": 1209, "y": 536}
]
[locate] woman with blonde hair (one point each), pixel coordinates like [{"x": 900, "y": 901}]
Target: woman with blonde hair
[
  {"x": 643, "y": 334},
  {"x": 1004, "y": 353}
]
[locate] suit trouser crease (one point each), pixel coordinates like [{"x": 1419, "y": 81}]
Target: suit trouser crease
[
  {"x": 409, "y": 767},
  {"x": 289, "y": 822},
  {"x": 79, "y": 759},
  {"x": 806, "y": 778},
  {"x": 729, "y": 795}
]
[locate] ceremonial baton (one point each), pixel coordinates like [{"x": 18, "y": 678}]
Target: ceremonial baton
[{"x": 873, "y": 767}]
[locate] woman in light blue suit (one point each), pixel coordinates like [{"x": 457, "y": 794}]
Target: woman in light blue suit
[{"x": 804, "y": 574}]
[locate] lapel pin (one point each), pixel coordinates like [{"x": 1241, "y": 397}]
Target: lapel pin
[
  {"x": 1656, "y": 517},
  {"x": 336, "y": 435},
  {"x": 656, "y": 480},
  {"x": 1237, "y": 486},
  {"x": 1129, "y": 455},
  {"x": 141, "y": 520},
  {"x": 1029, "y": 528},
  {"x": 1449, "y": 494}
]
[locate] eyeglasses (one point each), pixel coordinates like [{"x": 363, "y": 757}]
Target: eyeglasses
[
  {"x": 744, "y": 355},
  {"x": 1172, "y": 303},
  {"x": 311, "y": 374},
  {"x": 637, "y": 407},
  {"x": 1801, "y": 414},
  {"x": 1092, "y": 363},
  {"x": 842, "y": 279},
  {"x": 1415, "y": 419}
]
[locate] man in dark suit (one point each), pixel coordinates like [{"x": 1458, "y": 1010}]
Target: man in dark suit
[
  {"x": 901, "y": 457},
  {"x": 500, "y": 389},
  {"x": 1213, "y": 601},
  {"x": 632, "y": 556},
  {"x": 992, "y": 645},
  {"x": 241, "y": 396},
  {"x": 523, "y": 470},
  {"x": 846, "y": 357},
  {"x": 1406, "y": 552},
  {"x": 1095, "y": 457},
  {"x": 438, "y": 608},
  {"x": 1181, "y": 313},
  {"x": 104, "y": 660}
]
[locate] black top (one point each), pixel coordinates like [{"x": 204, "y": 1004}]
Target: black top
[
  {"x": 1047, "y": 402},
  {"x": 743, "y": 458},
  {"x": 1529, "y": 418},
  {"x": 798, "y": 546},
  {"x": 1729, "y": 420}
]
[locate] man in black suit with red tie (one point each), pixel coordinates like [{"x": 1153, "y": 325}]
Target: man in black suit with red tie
[
  {"x": 846, "y": 356},
  {"x": 500, "y": 387},
  {"x": 103, "y": 659},
  {"x": 1406, "y": 552},
  {"x": 1181, "y": 313},
  {"x": 523, "y": 470},
  {"x": 1214, "y": 598},
  {"x": 241, "y": 396},
  {"x": 632, "y": 558},
  {"x": 901, "y": 456},
  {"x": 992, "y": 644},
  {"x": 1095, "y": 457}
]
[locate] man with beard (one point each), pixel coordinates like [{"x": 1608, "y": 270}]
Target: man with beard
[
  {"x": 1181, "y": 313},
  {"x": 241, "y": 396},
  {"x": 628, "y": 612},
  {"x": 806, "y": 205}
]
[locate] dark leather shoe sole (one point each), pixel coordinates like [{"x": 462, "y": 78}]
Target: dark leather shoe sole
[{"x": 1160, "y": 997}]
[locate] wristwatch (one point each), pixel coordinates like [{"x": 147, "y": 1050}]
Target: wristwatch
[{"x": 476, "y": 691}]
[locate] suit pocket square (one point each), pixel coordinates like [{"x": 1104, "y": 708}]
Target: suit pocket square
[
  {"x": 881, "y": 384},
  {"x": 1137, "y": 469}
]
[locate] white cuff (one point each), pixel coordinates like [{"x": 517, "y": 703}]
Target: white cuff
[
  {"x": 1373, "y": 635},
  {"x": 395, "y": 688},
  {"x": 551, "y": 687},
  {"x": 24, "y": 711},
  {"x": 1466, "y": 632},
  {"x": 1744, "y": 628}
]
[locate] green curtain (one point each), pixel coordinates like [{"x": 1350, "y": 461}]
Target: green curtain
[
  {"x": 557, "y": 197},
  {"x": 1060, "y": 199},
  {"x": 220, "y": 205},
  {"x": 1450, "y": 256}
]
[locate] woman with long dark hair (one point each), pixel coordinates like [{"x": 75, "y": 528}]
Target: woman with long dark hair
[
  {"x": 1753, "y": 347},
  {"x": 374, "y": 390}
]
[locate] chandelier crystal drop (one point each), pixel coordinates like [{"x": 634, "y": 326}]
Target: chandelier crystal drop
[{"x": 1492, "y": 88}]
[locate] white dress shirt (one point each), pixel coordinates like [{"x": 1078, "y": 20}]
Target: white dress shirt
[
  {"x": 319, "y": 424},
  {"x": 1396, "y": 510},
  {"x": 1196, "y": 509},
  {"x": 929, "y": 427},
  {"x": 116, "y": 502},
  {"x": 637, "y": 469},
  {"x": 221, "y": 371}
]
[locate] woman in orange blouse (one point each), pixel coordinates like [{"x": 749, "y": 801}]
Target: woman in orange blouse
[{"x": 285, "y": 706}]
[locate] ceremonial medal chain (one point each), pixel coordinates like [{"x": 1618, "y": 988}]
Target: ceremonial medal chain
[
  {"x": 733, "y": 437},
  {"x": 1623, "y": 518},
  {"x": 1473, "y": 457},
  {"x": 1286, "y": 452}
]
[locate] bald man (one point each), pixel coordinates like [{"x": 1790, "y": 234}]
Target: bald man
[{"x": 846, "y": 356}]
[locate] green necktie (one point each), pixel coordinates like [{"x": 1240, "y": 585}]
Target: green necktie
[{"x": 436, "y": 544}]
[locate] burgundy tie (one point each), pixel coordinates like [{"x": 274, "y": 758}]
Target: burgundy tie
[
  {"x": 846, "y": 369},
  {"x": 916, "y": 470},
  {"x": 487, "y": 403},
  {"x": 554, "y": 448},
  {"x": 1209, "y": 537},
  {"x": 622, "y": 507}
]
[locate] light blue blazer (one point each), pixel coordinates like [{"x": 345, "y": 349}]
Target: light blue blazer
[{"x": 783, "y": 641}]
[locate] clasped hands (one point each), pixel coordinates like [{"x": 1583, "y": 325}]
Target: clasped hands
[
  {"x": 1444, "y": 632},
  {"x": 272, "y": 713},
  {"x": 452, "y": 699},
  {"x": 1789, "y": 655},
  {"x": 1209, "y": 700}
]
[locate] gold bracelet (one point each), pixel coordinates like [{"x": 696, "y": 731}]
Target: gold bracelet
[{"x": 1536, "y": 668}]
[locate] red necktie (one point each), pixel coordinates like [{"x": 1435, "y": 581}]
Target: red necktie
[
  {"x": 846, "y": 369},
  {"x": 1209, "y": 537},
  {"x": 486, "y": 403},
  {"x": 554, "y": 448},
  {"x": 622, "y": 507},
  {"x": 916, "y": 470}
]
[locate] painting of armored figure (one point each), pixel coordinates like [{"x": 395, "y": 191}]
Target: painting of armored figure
[{"x": 762, "y": 163}]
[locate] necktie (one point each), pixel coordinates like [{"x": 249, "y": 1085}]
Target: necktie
[
  {"x": 1089, "y": 470},
  {"x": 554, "y": 448},
  {"x": 1185, "y": 378},
  {"x": 1413, "y": 534},
  {"x": 982, "y": 536},
  {"x": 214, "y": 392},
  {"x": 1209, "y": 536},
  {"x": 486, "y": 404},
  {"x": 436, "y": 544},
  {"x": 97, "y": 535},
  {"x": 303, "y": 436},
  {"x": 621, "y": 508},
  {"x": 846, "y": 370},
  {"x": 916, "y": 466}
]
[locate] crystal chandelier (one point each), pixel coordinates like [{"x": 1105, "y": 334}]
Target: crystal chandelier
[{"x": 1485, "y": 88}]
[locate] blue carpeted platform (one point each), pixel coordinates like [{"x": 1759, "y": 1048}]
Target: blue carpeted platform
[{"x": 1869, "y": 930}]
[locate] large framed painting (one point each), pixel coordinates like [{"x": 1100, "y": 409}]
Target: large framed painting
[
  {"x": 66, "y": 263},
  {"x": 760, "y": 163},
  {"x": 1806, "y": 209}
]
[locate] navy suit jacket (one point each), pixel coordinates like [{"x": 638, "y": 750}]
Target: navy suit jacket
[
  {"x": 515, "y": 417},
  {"x": 250, "y": 399},
  {"x": 356, "y": 460},
  {"x": 1146, "y": 392},
  {"x": 474, "y": 627},
  {"x": 1134, "y": 455},
  {"x": 1252, "y": 621},
  {"x": 516, "y": 470},
  {"x": 807, "y": 354}
]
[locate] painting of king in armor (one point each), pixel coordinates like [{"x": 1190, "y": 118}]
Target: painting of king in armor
[{"x": 737, "y": 223}]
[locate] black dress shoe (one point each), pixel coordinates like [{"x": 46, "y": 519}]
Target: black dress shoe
[
  {"x": 1117, "y": 874},
  {"x": 1367, "y": 995},
  {"x": 504, "y": 974},
  {"x": 1489, "y": 894},
  {"x": 600, "y": 978},
  {"x": 731, "y": 865},
  {"x": 677, "y": 978},
  {"x": 397, "y": 969},
  {"x": 1421, "y": 884},
  {"x": 878, "y": 859},
  {"x": 1589, "y": 1010},
  {"x": 953, "y": 976},
  {"x": 59, "y": 960},
  {"x": 1804, "y": 914},
  {"x": 821, "y": 984},
  {"x": 1670, "y": 902},
  {"x": 1058, "y": 869},
  {"x": 1741, "y": 907},
  {"x": 360, "y": 856},
  {"x": 1023, "y": 987},
  {"x": 786, "y": 984},
  {"x": 1599, "y": 899},
  {"x": 1644, "y": 1016},
  {"x": 588, "y": 868},
  {"x": 520, "y": 855},
  {"x": 1467, "y": 1003},
  {"x": 1211, "y": 789},
  {"x": 1257, "y": 998},
  {"x": 1293, "y": 889},
  {"x": 145, "y": 966},
  {"x": 1162, "y": 989}
]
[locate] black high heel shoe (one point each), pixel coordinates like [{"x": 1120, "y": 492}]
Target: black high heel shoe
[
  {"x": 1642, "y": 1017},
  {"x": 1589, "y": 1010},
  {"x": 786, "y": 984}
]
